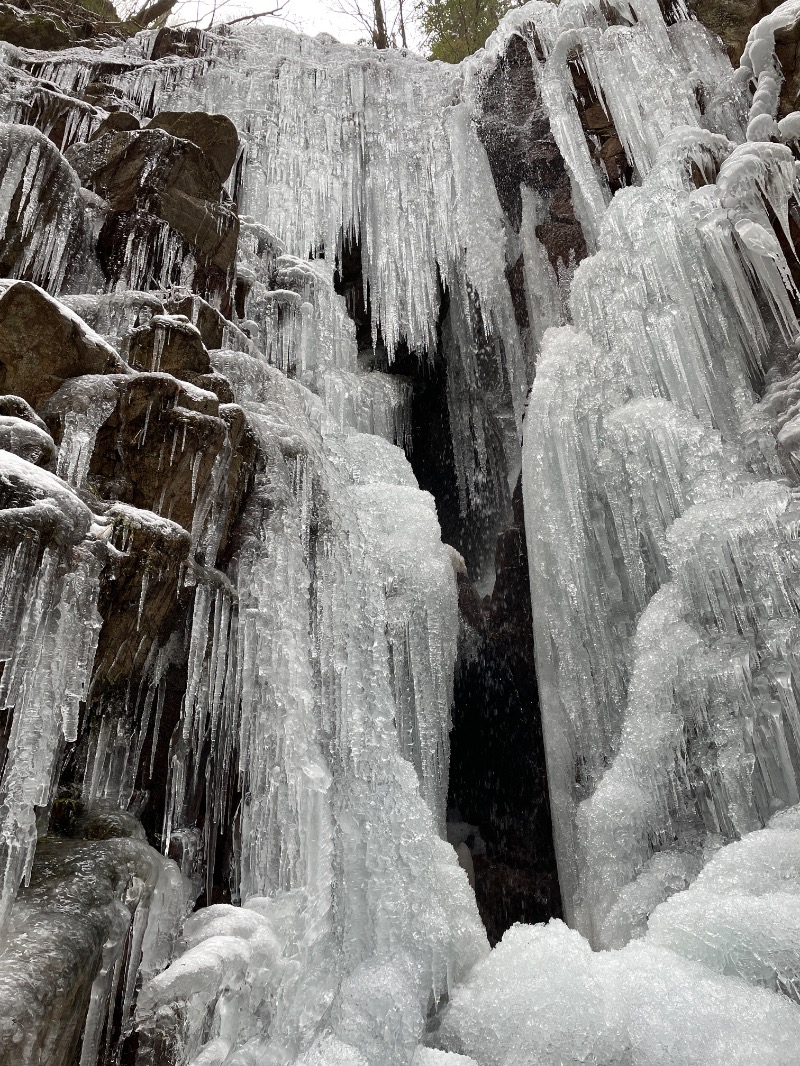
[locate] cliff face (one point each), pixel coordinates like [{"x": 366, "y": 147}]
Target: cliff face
[{"x": 271, "y": 315}]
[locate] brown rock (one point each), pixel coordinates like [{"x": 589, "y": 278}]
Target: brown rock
[
  {"x": 561, "y": 206},
  {"x": 187, "y": 44},
  {"x": 16, "y": 407},
  {"x": 168, "y": 343},
  {"x": 33, "y": 500},
  {"x": 150, "y": 178},
  {"x": 595, "y": 118},
  {"x": 563, "y": 241},
  {"x": 214, "y": 135},
  {"x": 43, "y": 343},
  {"x": 200, "y": 313},
  {"x": 139, "y": 599},
  {"x": 27, "y": 29},
  {"x": 117, "y": 122},
  {"x": 125, "y": 167},
  {"x": 25, "y": 439}
]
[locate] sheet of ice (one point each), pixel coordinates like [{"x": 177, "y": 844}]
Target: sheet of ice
[
  {"x": 641, "y": 446},
  {"x": 343, "y": 635}
]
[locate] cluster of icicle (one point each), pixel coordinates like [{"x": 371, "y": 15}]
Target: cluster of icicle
[
  {"x": 319, "y": 170},
  {"x": 663, "y": 540},
  {"x": 320, "y": 673}
]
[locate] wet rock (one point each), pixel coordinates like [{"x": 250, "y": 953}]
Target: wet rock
[
  {"x": 169, "y": 343},
  {"x": 522, "y": 151},
  {"x": 43, "y": 343},
  {"x": 36, "y": 502},
  {"x": 214, "y": 135},
  {"x": 515, "y": 131},
  {"x": 116, "y": 122},
  {"x": 732, "y": 20},
  {"x": 155, "y": 184},
  {"x": 209, "y": 321},
  {"x": 26, "y": 440},
  {"x": 498, "y": 778},
  {"x": 140, "y": 601},
  {"x": 186, "y": 44},
  {"x": 564, "y": 242},
  {"x": 48, "y": 217},
  {"x": 72, "y": 920}
]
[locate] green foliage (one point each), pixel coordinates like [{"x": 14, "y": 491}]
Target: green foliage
[{"x": 454, "y": 29}]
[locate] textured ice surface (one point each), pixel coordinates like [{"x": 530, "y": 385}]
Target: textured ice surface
[
  {"x": 544, "y": 996},
  {"x": 669, "y": 717},
  {"x": 740, "y": 916},
  {"x": 341, "y": 706}
]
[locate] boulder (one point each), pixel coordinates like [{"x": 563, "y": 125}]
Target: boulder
[
  {"x": 140, "y": 597},
  {"x": 43, "y": 343},
  {"x": 168, "y": 343},
  {"x": 186, "y": 44},
  {"x": 26, "y": 440},
  {"x": 116, "y": 122},
  {"x": 36, "y": 502},
  {"x": 29, "y": 29},
  {"x": 214, "y": 135}
]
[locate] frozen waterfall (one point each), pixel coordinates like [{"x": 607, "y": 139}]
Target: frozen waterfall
[{"x": 279, "y": 317}]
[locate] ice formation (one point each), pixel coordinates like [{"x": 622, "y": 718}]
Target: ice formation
[
  {"x": 665, "y": 642},
  {"x": 226, "y": 610}
]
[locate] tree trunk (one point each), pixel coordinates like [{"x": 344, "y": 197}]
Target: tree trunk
[{"x": 379, "y": 36}]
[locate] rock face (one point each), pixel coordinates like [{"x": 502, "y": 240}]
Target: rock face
[
  {"x": 732, "y": 20},
  {"x": 168, "y": 175},
  {"x": 41, "y": 346},
  {"x": 498, "y": 780}
]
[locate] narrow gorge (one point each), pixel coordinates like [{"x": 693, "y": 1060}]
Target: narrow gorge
[{"x": 400, "y": 544}]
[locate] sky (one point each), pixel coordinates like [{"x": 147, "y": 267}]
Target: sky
[{"x": 309, "y": 16}]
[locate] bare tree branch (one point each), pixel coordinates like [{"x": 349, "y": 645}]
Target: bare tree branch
[
  {"x": 156, "y": 9},
  {"x": 260, "y": 15}
]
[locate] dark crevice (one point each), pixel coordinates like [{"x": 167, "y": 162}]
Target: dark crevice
[{"x": 498, "y": 780}]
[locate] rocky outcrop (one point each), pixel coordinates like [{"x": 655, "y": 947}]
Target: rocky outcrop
[
  {"x": 42, "y": 345},
  {"x": 165, "y": 190},
  {"x": 516, "y": 134},
  {"x": 91, "y": 881},
  {"x": 24, "y": 27},
  {"x": 731, "y": 20},
  {"x": 55, "y": 24}
]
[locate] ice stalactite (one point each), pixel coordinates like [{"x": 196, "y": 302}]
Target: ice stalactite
[
  {"x": 42, "y": 208},
  {"x": 50, "y": 592},
  {"x": 423, "y": 211},
  {"x": 669, "y": 715},
  {"x": 344, "y": 653}
]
